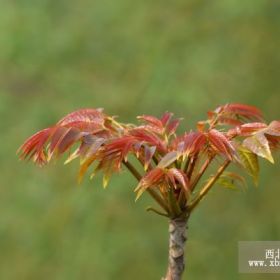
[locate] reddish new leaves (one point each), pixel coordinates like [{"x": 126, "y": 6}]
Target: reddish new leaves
[
  {"x": 220, "y": 143},
  {"x": 33, "y": 147},
  {"x": 260, "y": 138},
  {"x": 164, "y": 178},
  {"x": 164, "y": 125},
  {"x": 172, "y": 165},
  {"x": 57, "y": 139},
  {"x": 235, "y": 114}
]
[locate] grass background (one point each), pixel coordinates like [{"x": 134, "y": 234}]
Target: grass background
[{"x": 130, "y": 57}]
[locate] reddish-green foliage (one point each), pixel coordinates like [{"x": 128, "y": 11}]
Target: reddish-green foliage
[{"x": 172, "y": 164}]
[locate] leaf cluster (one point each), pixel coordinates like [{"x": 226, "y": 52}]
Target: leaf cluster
[{"x": 172, "y": 164}]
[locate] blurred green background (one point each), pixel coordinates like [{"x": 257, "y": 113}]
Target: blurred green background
[{"x": 130, "y": 57}]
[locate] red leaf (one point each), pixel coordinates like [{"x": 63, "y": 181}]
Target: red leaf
[
  {"x": 152, "y": 178},
  {"x": 251, "y": 128},
  {"x": 194, "y": 142},
  {"x": 149, "y": 138},
  {"x": 56, "y": 138},
  {"x": 83, "y": 151},
  {"x": 162, "y": 125},
  {"x": 243, "y": 110},
  {"x": 87, "y": 120},
  {"x": 177, "y": 174},
  {"x": 172, "y": 126},
  {"x": 273, "y": 129},
  {"x": 64, "y": 134},
  {"x": 84, "y": 116},
  {"x": 271, "y": 132},
  {"x": 33, "y": 146},
  {"x": 274, "y": 141},
  {"x": 235, "y": 114},
  {"x": 247, "y": 129},
  {"x": 220, "y": 143},
  {"x": 166, "y": 117},
  {"x": 229, "y": 121},
  {"x": 151, "y": 120},
  {"x": 89, "y": 149},
  {"x": 69, "y": 139},
  {"x": 119, "y": 147},
  {"x": 137, "y": 148}
]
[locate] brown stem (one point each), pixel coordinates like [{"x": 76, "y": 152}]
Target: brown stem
[
  {"x": 188, "y": 169},
  {"x": 175, "y": 209},
  {"x": 182, "y": 199},
  {"x": 191, "y": 167},
  {"x": 201, "y": 172},
  {"x": 152, "y": 192},
  {"x": 208, "y": 186},
  {"x": 177, "y": 240},
  {"x": 133, "y": 170}
]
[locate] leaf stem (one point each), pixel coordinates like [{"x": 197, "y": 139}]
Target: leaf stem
[
  {"x": 174, "y": 206},
  {"x": 188, "y": 170},
  {"x": 181, "y": 198},
  {"x": 156, "y": 211},
  {"x": 191, "y": 166},
  {"x": 133, "y": 170},
  {"x": 186, "y": 165},
  {"x": 208, "y": 186},
  {"x": 201, "y": 172}
]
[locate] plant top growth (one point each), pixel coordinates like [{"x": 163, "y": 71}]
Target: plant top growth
[{"x": 168, "y": 167}]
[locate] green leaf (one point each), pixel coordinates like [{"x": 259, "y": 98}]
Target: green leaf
[
  {"x": 226, "y": 183},
  {"x": 259, "y": 145},
  {"x": 231, "y": 180},
  {"x": 250, "y": 162}
]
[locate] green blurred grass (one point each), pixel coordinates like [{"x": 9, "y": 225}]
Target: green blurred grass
[{"x": 130, "y": 58}]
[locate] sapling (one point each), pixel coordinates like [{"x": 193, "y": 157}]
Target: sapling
[{"x": 177, "y": 171}]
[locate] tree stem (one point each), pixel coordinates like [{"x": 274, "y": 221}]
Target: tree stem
[{"x": 177, "y": 240}]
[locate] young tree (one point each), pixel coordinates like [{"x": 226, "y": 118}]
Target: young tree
[{"x": 172, "y": 165}]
